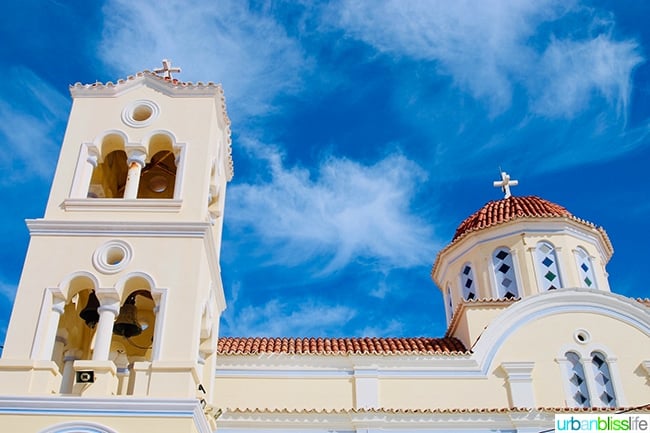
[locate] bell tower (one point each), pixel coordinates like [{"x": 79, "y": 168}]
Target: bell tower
[{"x": 121, "y": 294}]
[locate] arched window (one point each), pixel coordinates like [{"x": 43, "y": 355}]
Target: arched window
[
  {"x": 504, "y": 272},
  {"x": 450, "y": 303},
  {"x": 577, "y": 382},
  {"x": 468, "y": 282},
  {"x": 585, "y": 268},
  {"x": 603, "y": 388},
  {"x": 109, "y": 177},
  {"x": 548, "y": 273}
]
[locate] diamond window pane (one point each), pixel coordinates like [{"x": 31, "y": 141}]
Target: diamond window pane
[
  {"x": 603, "y": 386},
  {"x": 577, "y": 384},
  {"x": 585, "y": 268},
  {"x": 504, "y": 273},
  {"x": 467, "y": 282},
  {"x": 548, "y": 273}
]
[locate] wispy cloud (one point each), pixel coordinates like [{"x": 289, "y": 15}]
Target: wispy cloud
[
  {"x": 571, "y": 72},
  {"x": 228, "y": 41},
  {"x": 280, "y": 318},
  {"x": 33, "y": 114},
  {"x": 342, "y": 211},
  {"x": 490, "y": 48}
]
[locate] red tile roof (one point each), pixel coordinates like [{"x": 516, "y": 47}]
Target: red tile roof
[
  {"x": 339, "y": 346},
  {"x": 507, "y": 209}
]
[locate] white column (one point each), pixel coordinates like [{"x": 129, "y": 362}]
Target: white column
[
  {"x": 69, "y": 357},
  {"x": 135, "y": 161},
  {"x": 58, "y": 304},
  {"x": 104, "y": 333},
  {"x": 519, "y": 376}
]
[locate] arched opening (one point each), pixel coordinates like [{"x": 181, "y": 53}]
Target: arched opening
[
  {"x": 504, "y": 273},
  {"x": 76, "y": 331},
  {"x": 548, "y": 271},
  {"x": 109, "y": 177},
  {"x": 577, "y": 382},
  {"x": 468, "y": 282},
  {"x": 603, "y": 388},
  {"x": 133, "y": 331},
  {"x": 585, "y": 268},
  {"x": 158, "y": 177}
]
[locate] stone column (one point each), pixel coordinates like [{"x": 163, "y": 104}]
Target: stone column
[
  {"x": 104, "y": 333},
  {"x": 135, "y": 162},
  {"x": 47, "y": 347},
  {"x": 69, "y": 357}
]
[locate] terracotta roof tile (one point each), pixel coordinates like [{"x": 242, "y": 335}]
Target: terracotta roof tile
[
  {"x": 510, "y": 209},
  {"x": 384, "y": 410},
  {"x": 339, "y": 346},
  {"x": 507, "y": 209}
]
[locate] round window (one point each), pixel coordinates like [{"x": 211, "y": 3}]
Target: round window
[
  {"x": 112, "y": 257},
  {"x": 140, "y": 113}
]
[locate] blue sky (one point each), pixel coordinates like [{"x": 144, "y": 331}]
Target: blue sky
[{"x": 363, "y": 134}]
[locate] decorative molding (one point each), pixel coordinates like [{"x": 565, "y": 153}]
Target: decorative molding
[
  {"x": 108, "y": 407},
  {"x": 122, "y": 205}
]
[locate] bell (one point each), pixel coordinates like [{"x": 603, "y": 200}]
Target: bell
[
  {"x": 89, "y": 314},
  {"x": 126, "y": 323}
]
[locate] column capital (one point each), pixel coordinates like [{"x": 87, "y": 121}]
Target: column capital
[
  {"x": 136, "y": 155},
  {"x": 107, "y": 297}
]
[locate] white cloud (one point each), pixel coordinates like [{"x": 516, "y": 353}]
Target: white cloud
[
  {"x": 224, "y": 41},
  {"x": 490, "y": 47},
  {"x": 278, "y": 319},
  {"x": 32, "y": 115},
  {"x": 344, "y": 212},
  {"x": 571, "y": 71}
]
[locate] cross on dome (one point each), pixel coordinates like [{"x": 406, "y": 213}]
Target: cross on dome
[
  {"x": 505, "y": 183},
  {"x": 167, "y": 69}
]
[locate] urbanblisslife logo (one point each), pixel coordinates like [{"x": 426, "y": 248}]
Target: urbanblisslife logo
[{"x": 603, "y": 422}]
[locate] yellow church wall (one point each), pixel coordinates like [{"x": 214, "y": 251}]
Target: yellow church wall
[
  {"x": 441, "y": 393},
  {"x": 544, "y": 340},
  {"x": 284, "y": 393}
]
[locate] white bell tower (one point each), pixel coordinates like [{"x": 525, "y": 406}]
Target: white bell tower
[{"x": 121, "y": 293}]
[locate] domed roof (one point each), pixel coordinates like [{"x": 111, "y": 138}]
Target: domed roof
[{"x": 507, "y": 209}]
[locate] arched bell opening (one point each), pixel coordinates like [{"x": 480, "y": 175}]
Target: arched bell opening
[
  {"x": 134, "y": 326},
  {"x": 109, "y": 176},
  {"x": 76, "y": 329},
  {"x": 158, "y": 177}
]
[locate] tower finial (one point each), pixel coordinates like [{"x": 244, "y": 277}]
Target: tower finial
[
  {"x": 167, "y": 69},
  {"x": 505, "y": 183}
]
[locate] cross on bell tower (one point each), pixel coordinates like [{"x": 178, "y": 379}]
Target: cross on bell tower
[
  {"x": 505, "y": 183},
  {"x": 167, "y": 69}
]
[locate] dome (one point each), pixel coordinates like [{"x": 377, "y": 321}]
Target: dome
[{"x": 508, "y": 209}]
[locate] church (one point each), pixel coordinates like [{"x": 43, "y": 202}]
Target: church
[{"x": 115, "y": 325}]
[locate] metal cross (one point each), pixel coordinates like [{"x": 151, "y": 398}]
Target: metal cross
[
  {"x": 167, "y": 69},
  {"x": 505, "y": 183}
]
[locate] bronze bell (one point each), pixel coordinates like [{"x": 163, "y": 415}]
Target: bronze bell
[
  {"x": 89, "y": 314},
  {"x": 126, "y": 323}
]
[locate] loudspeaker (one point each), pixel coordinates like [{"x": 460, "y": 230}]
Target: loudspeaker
[{"x": 85, "y": 376}]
